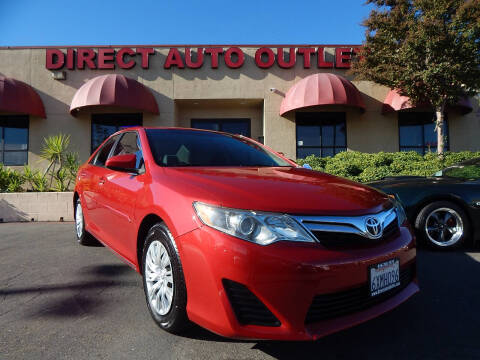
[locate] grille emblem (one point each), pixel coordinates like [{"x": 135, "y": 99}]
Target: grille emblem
[{"x": 373, "y": 227}]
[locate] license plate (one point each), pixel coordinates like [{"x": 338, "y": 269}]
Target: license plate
[{"x": 384, "y": 276}]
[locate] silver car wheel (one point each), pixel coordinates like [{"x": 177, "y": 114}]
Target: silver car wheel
[
  {"x": 79, "y": 220},
  {"x": 159, "y": 278},
  {"x": 444, "y": 227}
]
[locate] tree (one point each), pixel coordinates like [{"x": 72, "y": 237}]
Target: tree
[{"x": 428, "y": 50}]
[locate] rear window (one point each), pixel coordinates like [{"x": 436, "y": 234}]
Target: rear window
[{"x": 201, "y": 148}]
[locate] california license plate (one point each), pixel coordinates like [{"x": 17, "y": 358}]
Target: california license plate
[{"x": 384, "y": 276}]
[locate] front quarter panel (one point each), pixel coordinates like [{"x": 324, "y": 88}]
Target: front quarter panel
[{"x": 175, "y": 210}]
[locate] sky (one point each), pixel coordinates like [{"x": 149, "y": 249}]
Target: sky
[{"x": 145, "y": 22}]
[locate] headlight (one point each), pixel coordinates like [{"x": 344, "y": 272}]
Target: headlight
[
  {"x": 401, "y": 216},
  {"x": 258, "y": 227}
]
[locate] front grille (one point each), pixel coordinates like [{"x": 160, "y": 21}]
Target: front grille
[
  {"x": 248, "y": 309},
  {"x": 349, "y": 231},
  {"x": 327, "y": 306},
  {"x": 342, "y": 239},
  {"x": 391, "y": 229}
]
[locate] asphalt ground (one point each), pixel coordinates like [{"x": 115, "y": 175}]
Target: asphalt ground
[{"x": 59, "y": 300}]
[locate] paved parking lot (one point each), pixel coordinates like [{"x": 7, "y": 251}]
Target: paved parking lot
[{"x": 59, "y": 300}]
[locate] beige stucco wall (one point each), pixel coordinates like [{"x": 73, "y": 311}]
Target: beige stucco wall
[
  {"x": 222, "y": 92},
  {"x": 465, "y": 129},
  {"x": 252, "y": 109}
]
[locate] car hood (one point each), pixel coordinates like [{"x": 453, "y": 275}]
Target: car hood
[{"x": 278, "y": 189}]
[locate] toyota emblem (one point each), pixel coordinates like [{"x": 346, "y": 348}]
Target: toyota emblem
[{"x": 373, "y": 227}]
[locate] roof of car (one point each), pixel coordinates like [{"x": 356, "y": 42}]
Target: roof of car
[{"x": 178, "y": 128}]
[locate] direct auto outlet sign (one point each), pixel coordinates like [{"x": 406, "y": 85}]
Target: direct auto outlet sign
[{"x": 233, "y": 57}]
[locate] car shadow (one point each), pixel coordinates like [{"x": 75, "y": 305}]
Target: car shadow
[
  {"x": 441, "y": 321},
  {"x": 72, "y": 299}
]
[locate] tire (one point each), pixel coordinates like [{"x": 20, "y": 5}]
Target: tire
[
  {"x": 443, "y": 225},
  {"x": 162, "y": 270},
  {"x": 84, "y": 238}
]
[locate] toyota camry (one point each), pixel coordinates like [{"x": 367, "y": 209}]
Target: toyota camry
[{"x": 230, "y": 235}]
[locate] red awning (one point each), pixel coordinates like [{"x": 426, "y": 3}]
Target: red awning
[
  {"x": 321, "y": 89},
  {"x": 18, "y": 97},
  {"x": 396, "y": 102},
  {"x": 114, "y": 90}
]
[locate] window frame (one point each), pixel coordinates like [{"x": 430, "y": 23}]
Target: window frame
[
  {"x": 311, "y": 118},
  {"x": 100, "y": 148},
  {"x": 96, "y": 119},
  {"x": 14, "y": 119},
  {"x": 424, "y": 121},
  {"x": 222, "y": 121},
  {"x": 141, "y": 169}
]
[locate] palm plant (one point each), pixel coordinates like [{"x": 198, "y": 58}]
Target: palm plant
[{"x": 62, "y": 165}]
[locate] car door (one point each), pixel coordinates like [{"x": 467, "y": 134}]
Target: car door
[
  {"x": 90, "y": 176},
  {"x": 118, "y": 193}
]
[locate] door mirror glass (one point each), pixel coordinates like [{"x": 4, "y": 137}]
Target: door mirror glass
[
  {"x": 307, "y": 166},
  {"x": 125, "y": 162}
]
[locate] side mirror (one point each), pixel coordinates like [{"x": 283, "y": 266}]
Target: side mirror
[
  {"x": 125, "y": 162},
  {"x": 307, "y": 166}
]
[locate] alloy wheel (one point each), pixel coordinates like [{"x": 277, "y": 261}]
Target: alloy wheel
[
  {"x": 444, "y": 227},
  {"x": 159, "y": 278}
]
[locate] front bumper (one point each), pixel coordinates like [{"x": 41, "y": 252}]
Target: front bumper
[{"x": 285, "y": 277}]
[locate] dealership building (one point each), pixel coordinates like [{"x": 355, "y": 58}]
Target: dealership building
[{"x": 296, "y": 99}]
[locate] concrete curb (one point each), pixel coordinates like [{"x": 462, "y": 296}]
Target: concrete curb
[{"x": 36, "y": 206}]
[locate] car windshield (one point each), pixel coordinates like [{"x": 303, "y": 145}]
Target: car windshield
[
  {"x": 202, "y": 148},
  {"x": 466, "y": 170}
]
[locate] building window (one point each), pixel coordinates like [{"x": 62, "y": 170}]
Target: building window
[
  {"x": 321, "y": 134},
  {"x": 417, "y": 132},
  {"x": 14, "y": 140},
  {"x": 104, "y": 125},
  {"x": 232, "y": 126}
]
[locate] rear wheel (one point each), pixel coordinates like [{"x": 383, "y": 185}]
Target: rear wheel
[
  {"x": 443, "y": 225},
  {"x": 163, "y": 280},
  {"x": 83, "y": 237}
]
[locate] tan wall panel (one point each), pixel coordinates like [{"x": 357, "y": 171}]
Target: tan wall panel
[
  {"x": 280, "y": 133},
  {"x": 464, "y": 130},
  {"x": 222, "y": 83},
  {"x": 16, "y": 63},
  {"x": 186, "y": 112}
]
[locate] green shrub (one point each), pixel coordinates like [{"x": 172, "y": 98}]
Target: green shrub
[
  {"x": 365, "y": 167},
  {"x": 10, "y": 180}
]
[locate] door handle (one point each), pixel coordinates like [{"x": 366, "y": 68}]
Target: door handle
[{"x": 101, "y": 181}]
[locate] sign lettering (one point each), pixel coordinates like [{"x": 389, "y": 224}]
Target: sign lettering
[{"x": 233, "y": 57}]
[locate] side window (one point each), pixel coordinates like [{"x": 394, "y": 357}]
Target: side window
[
  {"x": 102, "y": 154},
  {"x": 130, "y": 144}
]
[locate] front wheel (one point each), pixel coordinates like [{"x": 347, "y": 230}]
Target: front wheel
[
  {"x": 163, "y": 280},
  {"x": 443, "y": 225}
]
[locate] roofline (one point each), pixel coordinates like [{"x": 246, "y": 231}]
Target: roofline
[{"x": 175, "y": 45}]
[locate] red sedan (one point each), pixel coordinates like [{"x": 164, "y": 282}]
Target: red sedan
[{"x": 240, "y": 240}]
